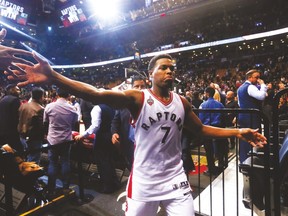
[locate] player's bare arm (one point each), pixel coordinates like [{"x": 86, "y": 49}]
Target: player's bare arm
[
  {"x": 193, "y": 124},
  {"x": 42, "y": 73}
]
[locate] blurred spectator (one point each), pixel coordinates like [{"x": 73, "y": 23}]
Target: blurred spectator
[
  {"x": 214, "y": 147},
  {"x": 86, "y": 108},
  {"x": 283, "y": 108},
  {"x": 30, "y": 125},
  {"x": 76, "y": 105},
  {"x": 104, "y": 150},
  {"x": 60, "y": 117},
  {"x": 9, "y": 116},
  {"x": 250, "y": 95},
  {"x": 231, "y": 103},
  {"x": 217, "y": 95},
  {"x": 268, "y": 102},
  {"x": 196, "y": 101}
]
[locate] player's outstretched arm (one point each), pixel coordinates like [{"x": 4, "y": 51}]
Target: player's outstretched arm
[
  {"x": 43, "y": 73},
  {"x": 193, "y": 124}
]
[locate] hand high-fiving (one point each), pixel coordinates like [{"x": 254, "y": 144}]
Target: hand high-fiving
[{"x": 8, "y": 57}]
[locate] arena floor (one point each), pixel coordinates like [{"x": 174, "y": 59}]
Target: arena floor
[{"x": 91, "y": 202}]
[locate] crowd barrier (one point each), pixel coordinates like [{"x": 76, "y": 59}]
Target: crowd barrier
[
  {"x": 260, "y": 184},
  {"x": 14, "y": 180}
]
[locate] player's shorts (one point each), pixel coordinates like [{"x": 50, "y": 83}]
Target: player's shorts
[{"x": 182, "y": 206}]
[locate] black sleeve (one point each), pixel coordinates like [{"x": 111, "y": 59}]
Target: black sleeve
[{"x": 116, "y": 123}]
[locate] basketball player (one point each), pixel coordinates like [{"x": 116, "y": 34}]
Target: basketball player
[{"x": 159, "y": 115}]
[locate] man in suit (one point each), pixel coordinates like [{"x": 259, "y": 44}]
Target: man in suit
[
  {"x": 9, "y": 106},
  {"x": 104, "y": 150},
  {"x": 121, "y": 127},
  {"x": 86, "y": 108}
]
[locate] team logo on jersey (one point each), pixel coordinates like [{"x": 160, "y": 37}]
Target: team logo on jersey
[{"x": 150, "y": 101}]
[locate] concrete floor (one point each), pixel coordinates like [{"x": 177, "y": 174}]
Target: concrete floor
[{"x": 94, "y": 203}]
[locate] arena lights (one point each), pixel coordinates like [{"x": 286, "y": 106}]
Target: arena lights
[
  {"x": 182, "y": 49},
  {"x": 18, "y": 31},
  {"x": 104, "y": 11}
]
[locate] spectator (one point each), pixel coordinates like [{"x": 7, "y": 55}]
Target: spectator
[
  {"x": 104, "y": 150},
  {"x": 217, "y": 95},
  {"x": 9, "y": 116},
  {"x": 283, "y": 108},
  {"x": 86, "y": 108},
  {"x": 60, "y": 117},
  {"x": 250, "y": 95},
  {"x": 196, "y": 101},
  {"x": 268, "y": 102},
  {"x": 76, "y": 105},
  {"x": 231, "y": 103},
  {"x": 214, "y": 147},
  {"x": 30, "y": 124}
]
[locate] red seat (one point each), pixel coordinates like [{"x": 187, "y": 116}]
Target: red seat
[{"x": 87, "y": 142}]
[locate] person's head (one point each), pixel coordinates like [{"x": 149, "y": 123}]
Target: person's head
[
  {"x": 188, "y": 94},
  {"x": 62, "y": 93},
  {"x": 230, "y": 95},
  {"x": 12, "y": 89},
  {"x": 38, "y": 94},
  {"x": 282, "y": 100},
  {"x": 281, "y": 85},
  {"x": 138, "y": 83},
  {"x": 212, "y": 85},
  {"x": 209, "y": 91},
  {"x": 196, "y": 95},
  {"x": 72, "y": 98},
  {"x": 161, "y": 70},
  {"x": 253, "y": 76},
  {"x": 270, "y": 85},
  {"x": 217, "y": 87}
]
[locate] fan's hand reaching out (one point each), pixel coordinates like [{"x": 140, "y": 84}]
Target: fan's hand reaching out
[{"x": 38, "y": 73}]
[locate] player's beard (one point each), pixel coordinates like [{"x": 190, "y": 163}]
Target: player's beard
[{"x": 169, "y": 84}]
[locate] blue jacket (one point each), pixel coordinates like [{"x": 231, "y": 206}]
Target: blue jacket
[{"x": 213, "y": 119}]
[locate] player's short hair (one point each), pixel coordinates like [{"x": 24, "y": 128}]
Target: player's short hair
[{"x": 152, "y": 62}]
